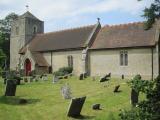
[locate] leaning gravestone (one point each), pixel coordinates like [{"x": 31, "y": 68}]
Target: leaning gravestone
[
  {"x": 11, "y": 88},
  {"x": 116, "y": 88},
  {"x": 76, "y": 107},
  {"x": 134, "y": 97}
]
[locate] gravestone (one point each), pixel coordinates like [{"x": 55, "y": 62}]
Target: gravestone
[
  {"x": 81, "y": 77},
  {"x": 96, "y": 107},
  {"x": 66, "y": 91},
  {"x": 134, "y": 97},
  {"x": 55, "y": 79},
  {"x": 122, "y": 76},
  {"x": 76, "y": 107},
  {"x": 18, "y": 79},
  {"x": 10, "y": 88},
  {"x": 85, "y": 75},
  {"x": 105, "y": 78},
  {"x": 44, "y": 78},
  {"x": 116, "y": 88}
]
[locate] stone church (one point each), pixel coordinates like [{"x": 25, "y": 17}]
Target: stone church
[{"x": 125, "y": 49}]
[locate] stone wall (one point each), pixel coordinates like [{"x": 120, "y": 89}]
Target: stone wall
[
  {"x": 59, "y": 59},
  {"x": 105, "y": 61}
]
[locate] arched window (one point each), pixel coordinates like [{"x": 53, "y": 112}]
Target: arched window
[
  {"x": 70, "y": 61},
  {"x": 123, "y": 58},
  {"x": 34, "y": 29}
]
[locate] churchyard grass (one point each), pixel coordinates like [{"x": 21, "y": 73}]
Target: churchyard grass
[{"x": 45, "y": 101}]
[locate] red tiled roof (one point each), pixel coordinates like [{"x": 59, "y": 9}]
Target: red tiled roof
[
  {"x": 60, "y": 40},
  {"x": 125, "y": 35}
]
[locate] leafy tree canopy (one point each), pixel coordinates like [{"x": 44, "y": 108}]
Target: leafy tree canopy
[
  {"x": 5, "y": 30},
  {"x": 151, "y": 13}
]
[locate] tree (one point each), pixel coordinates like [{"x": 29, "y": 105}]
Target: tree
[
  {"x": 152, "y": 13},
  {"x": 5, "y": 31}
]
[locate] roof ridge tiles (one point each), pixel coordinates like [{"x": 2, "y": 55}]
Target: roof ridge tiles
[
  {"x": 68, "y": 29},
  {"x": 125, "y": 24}
]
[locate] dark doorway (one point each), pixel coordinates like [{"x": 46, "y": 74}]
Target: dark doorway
[{"x": 27, "y": 67}]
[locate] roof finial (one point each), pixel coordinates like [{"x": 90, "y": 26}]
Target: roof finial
[
  {"x": 27, "y": 8},
  {"x": 98, "y": 19}
]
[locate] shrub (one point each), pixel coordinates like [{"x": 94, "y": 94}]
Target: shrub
[
  {"x": 63, "y": 71},
  {"x": 1, "y": 71},
  {"x": 147, "y": 109}
]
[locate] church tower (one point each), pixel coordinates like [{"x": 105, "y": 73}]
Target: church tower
[{"x": 23, "y": 29}]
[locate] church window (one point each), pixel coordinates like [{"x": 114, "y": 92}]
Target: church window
[
  {"x": 34, "y": 30},
  {"x": 70, "y": 61},
  {"x": 123, "y": 58},
  {"x": 17, "y": 30}
]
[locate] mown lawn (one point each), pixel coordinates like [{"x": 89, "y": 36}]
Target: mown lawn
[{"x": 46, "y": 103}]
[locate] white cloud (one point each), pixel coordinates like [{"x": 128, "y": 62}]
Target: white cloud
[{"x": 71, "y": 10}]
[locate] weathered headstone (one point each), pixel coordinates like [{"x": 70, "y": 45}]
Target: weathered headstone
[
  {"x": 10, "y": 88},
  {"x": 96, "y": 107},
  {"x": 116, "y": 88},
  {"x": 76, "y": 107},
  {"x": 81, "y": 77},
  {"x": 134, "y": 97},
  {"x": 66, "y": 91},
  {"x": 55, "y": 79}
]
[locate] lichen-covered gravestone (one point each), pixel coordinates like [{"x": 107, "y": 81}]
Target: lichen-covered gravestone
[
  {"x": 10, "y": 88},
  {"x": 76, "y": 107},
  {"x": 66, "y": 91}
]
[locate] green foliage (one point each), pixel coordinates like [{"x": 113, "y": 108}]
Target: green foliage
[
  {"x": 140, "y": 85},
  {"x": 148, "y": 109},
  {"x": 2, "y": 58},
  {"x": 152, "y": 13},
  {"x": 63, "y": 71},
  {"x": 5, "y": 29},
  {"x": 1, "y": 71}
]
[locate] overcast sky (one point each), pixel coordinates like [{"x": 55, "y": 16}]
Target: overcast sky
[{"x": 62, "y": 14}]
